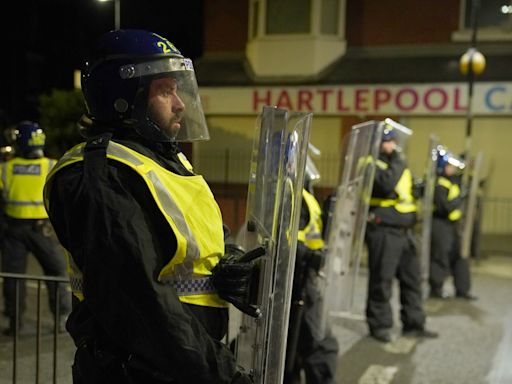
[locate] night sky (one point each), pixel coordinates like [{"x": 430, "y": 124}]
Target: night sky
[{"x": 44, "y": 41}]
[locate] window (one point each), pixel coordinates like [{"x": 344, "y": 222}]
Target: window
[
  {"x": 492, "y": 13},
  {"x": 288, "y": 17},
  {"x": 494, "y": 20},
  {"x": 329, "y": 17}
]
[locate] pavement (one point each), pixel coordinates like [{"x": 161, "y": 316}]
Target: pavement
[{"x": 474, "y": 346}]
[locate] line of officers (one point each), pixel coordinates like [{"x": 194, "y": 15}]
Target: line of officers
[{"x": 131, "y": 216}]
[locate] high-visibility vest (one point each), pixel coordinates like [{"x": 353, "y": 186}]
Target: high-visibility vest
[
  {"x": 22, "y": 181},
  {"x": 311, "y": 234},
  {"x": 192, "y": 213},
  {"x": 404, "y": 203},
  {"x": 453, "y": 193}
]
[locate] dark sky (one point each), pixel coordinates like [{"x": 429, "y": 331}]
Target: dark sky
[{"x": 45, "y": 40}]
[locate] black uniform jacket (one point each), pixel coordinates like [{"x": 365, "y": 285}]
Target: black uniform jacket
[
  {"x": 384, "y": 187},
  {"x": 442, "y": 205},
  {"x": 119, "y": 239}
]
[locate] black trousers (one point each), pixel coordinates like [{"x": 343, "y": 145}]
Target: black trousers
[
  {"x": 20, "y": 238},
  {"x": 445, "y": 257},
  {"x": 316, "y": 353},
  {"x": 97, "y": 362},
  {"x": 392, "y": 253}
]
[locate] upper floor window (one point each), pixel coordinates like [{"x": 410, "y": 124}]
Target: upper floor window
[
  {"x": 293, "y": 17},
  {"x": 494, "y": 20},
  {"x": 288, "y": 16}
]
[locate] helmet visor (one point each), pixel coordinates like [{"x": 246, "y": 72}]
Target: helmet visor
[
  {"x": 397, "y": 132},
  {"x": 172, "y": 107}
]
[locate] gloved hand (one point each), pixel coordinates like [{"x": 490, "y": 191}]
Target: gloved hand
[
  {"x": 463, "y": 193},
  {"x": 233, "y": 274},
  {"x": 317, "y": 259},
  {"x": 242, "y": 378},
  {"x": 418, "y": 188}
]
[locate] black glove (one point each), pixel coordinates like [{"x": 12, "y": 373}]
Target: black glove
[
  {"x": 242, "y": 378},
  {"x": 418, "y": 188},
  {"x": 316, "y": 259},
  {"x": 463, "y": 193},
  {"x": 232, "y": 277}
]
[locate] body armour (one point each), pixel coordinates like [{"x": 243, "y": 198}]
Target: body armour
[{"x": 192, "y": 213}]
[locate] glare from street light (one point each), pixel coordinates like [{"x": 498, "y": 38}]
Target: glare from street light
[{"x": 117, "y": 12}]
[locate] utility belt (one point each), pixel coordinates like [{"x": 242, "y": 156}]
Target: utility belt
[
  {"x": 390, "y": 217},
  {"x": 393, "y": 228},
  {"x": 129, "y": 366},
  {"x": 43, "y": 226}
]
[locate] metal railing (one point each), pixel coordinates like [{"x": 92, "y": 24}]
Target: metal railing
[
  {"x": 497, "y": 215},
  {"x": 17, "y": 338}
]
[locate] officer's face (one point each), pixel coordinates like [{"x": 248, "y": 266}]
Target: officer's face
[
  {"x": 387, "y": 147},
  {"x": 165, "y": 107},
  {"x": 449, "y": 170}
]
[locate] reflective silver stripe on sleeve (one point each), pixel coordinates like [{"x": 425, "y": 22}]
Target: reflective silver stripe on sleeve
[
  {"x": 24, "y": 203},
  {"x": 170, "y": 207},
  {"x": 76, "y": 152}
]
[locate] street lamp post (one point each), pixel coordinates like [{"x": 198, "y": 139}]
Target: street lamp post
[{"x": 117, "y": 12}]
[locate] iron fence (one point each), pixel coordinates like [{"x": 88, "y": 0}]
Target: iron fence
[{"x": 35, "y": 354}]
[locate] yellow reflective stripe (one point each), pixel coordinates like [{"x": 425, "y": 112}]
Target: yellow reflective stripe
[
  {"x": 453, "y": 193},
  {"x": 172, "y": 210},
  {"x": 455, "y": 215},
  {"x": 376, "y": 202},
  {"x": 381, "y": 164},
  {"x": 404, "y": 203},
  {"x": 4, "y": 179},
  {"x": 169, "y": 207},
  {"x": 311, "y": 234},
  {"x": 183, "y": 159},
  {"x": 444, "y": 182}
]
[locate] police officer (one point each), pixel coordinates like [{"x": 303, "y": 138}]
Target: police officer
[
  {"x": 445, "y": 258},
  {"x": 27, "y": 226},
  {"x": 308, "y": 348},
  {"x": 391, "y": 250},
  {"x": 142, "y": 231}
]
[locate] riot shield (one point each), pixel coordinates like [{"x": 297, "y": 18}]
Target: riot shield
[
  {"x": 346, "y": 223},
  {"x": 469, "y": 209},
  {"x": 427, "y": 207},
  {"x": 273, "y": 212}
]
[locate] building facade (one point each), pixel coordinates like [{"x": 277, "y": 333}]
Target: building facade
[{"x": 349, "y": 61}]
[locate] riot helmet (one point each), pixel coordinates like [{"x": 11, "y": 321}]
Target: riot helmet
[
  {"x": 388, "y": 133},
  {"x": 140, "y": 80},
  {"x": 446, "y": 158},
  {"x": 397, "y": 134},
  {"x": 30, "y": 140}
]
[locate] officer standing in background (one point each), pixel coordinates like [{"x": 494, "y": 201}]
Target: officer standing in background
[
  {"x": 27, "y": 228},
  {"x": 445, "y": 258},
  {"x": 308, "y": 348},
  {"x": 143, "y": 233},
  {"x": 391, "y": 248}
]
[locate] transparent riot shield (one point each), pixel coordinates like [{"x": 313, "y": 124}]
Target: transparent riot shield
[
  {"x": 273, "y": 212},
  {"x": 469, "y": 209},
  {"x": 347, "y": 221},
  {"x": 427, "y": 207}
]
